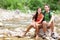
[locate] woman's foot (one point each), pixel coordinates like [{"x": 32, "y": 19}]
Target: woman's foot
[{"x": 37, "y": 37}]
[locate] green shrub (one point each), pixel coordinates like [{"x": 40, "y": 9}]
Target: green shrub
[{"x": 30, "y": 4}]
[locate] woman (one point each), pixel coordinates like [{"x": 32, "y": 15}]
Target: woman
[{"x": 36, "y": 21}]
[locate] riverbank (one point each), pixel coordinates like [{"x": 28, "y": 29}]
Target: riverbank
[{"x": 13, "y": 23}]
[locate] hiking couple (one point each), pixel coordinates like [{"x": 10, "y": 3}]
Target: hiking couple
[{"x": 42, "y": 20}]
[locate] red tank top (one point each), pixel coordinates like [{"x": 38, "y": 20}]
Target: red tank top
[{"x": 40, "y": 16}]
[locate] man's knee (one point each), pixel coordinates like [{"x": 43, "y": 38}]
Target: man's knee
[{"x": 52, "y": 24}]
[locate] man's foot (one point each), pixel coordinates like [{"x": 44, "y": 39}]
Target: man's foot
[
  {"x": 44, "y": 36},
  {"x": 53, "y": 36}
]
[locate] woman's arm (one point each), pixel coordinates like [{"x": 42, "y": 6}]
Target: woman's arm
[{"x": 41, "y": 19}]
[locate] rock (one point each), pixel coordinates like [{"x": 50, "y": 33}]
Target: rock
[
  {"x": 1, "y": 35},
  {"x": 57, "y": 19},
  {"x": 16, "y": 19},
  {"x": 13, "y": 33},
  {"x": 1, "y": 24},
  {"x": 17, "y": 32},
  {"x": 17, "y": 11}
]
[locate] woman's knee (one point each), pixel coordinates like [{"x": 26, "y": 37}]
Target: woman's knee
[
  {"x": 32, "y": 23},
  {"x": 44, "y": 22}
]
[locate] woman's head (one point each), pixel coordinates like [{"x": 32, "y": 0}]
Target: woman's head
[
  {"x": 39, "y": 10},
  {"x": 47, "y": 7}
]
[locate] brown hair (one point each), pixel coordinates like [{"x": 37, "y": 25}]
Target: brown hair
[
  {"x": 47, "y": 5},
  {"x": 36, "y": 15}
]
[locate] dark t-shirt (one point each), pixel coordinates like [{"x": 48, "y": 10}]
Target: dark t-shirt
[{"x": 46, "y": 16}]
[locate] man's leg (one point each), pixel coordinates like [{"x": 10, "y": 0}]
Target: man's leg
[
  {"x": 52, "y": 30},
  {"x": 44, "y": 24},
  {"x": 52, "y": 27}
]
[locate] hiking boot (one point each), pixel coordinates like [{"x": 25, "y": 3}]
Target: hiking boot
[
  {"x": 44, "y": 36},
  {"x": 53, "y": 36}
]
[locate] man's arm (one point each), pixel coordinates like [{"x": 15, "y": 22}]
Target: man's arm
[{"x": 52, "y": 19}]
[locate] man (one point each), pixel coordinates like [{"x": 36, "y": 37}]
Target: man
[{"x": 48, "y": 20}]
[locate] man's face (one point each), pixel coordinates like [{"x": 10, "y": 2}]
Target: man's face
[{"x": 46, "y": 8}]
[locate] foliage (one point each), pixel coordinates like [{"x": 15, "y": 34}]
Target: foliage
[{"x": 29, "y": 4}]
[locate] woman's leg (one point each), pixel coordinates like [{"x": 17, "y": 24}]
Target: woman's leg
[
  {"x": 39, "y": 26},
  {"x": 30, "y": 26},
  {"x": 28, "y": 29},
  {"x": 37, "y": 30}
]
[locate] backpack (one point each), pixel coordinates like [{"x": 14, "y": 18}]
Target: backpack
[{"x": 49, "y": 15}]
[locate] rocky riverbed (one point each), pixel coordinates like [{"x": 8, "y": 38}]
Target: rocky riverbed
[{"x": 13, "y": 24}]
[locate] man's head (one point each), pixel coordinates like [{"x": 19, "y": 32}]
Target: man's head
[{"x": 47, "y": 7}]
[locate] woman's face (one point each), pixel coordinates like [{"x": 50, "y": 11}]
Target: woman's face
[
  {"x": 39, "y": 10},
  {"x": 46, "y": 8}
]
